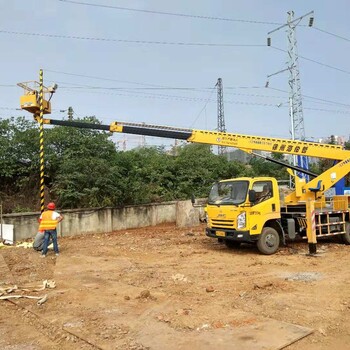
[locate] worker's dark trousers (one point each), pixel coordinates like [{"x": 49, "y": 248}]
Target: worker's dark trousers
[{"x": 47, "y": 235}]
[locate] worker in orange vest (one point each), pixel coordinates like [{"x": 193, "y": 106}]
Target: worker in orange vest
[{"x": 48, "y": 222}]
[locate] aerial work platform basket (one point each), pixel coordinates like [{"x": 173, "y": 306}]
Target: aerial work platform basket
[{"x": 30, "y": 100}]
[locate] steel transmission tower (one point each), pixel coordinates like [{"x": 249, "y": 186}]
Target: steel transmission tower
[
  {"x": 221, "y": 118},
  {"x": 295, "y": 97}
]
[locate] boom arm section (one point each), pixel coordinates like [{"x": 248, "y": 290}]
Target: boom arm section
[
  {"x": 249, "y": 143},
  {"x": 246, "y": 143},
  {"x": 324, "y": 181}
]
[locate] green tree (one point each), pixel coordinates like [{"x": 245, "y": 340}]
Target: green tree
[
  {"x": 148, "y": 177},
  {"x": 347, "y": 145},
  {"x": 80, "y": 166},
  {"x": 196, "y": 168},
  {"x": 19, "y": 161},
  {"x": 262, "y": 167}
]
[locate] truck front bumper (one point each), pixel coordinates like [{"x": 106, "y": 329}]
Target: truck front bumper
[{"x": 232, "y": 235}]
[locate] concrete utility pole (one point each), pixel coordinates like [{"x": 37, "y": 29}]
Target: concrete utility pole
[
  {"x": 143, "y": 139},
  {"x": 70, "y": 113},
  {"x": 221, "y": 118}
]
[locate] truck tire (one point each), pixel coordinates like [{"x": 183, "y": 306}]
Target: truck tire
[
  {"x": 269, "y": 241},
  {"x": 346, "y": 235},
  {"x": 232, "y": 244}
]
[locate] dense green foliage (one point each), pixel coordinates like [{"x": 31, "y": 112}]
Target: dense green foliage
[{"x": 83, "y": 168}]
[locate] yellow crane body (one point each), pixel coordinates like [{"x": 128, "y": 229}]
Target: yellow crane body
[{"x": 250, "y": 210}]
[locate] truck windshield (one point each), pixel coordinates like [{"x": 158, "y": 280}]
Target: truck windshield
[{"x": 228, "y": 192}]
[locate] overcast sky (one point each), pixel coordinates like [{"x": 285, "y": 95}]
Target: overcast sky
[{"x": 127, "y": 78}]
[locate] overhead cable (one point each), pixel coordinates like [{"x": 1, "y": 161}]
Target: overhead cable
[
  {"x": 197, "y": 99},
  {"x": 314, "y": 61},
  {"x": 205, "y": 105},
  {"x": 332, "y": 34},
  {"x": 59, "y": 36},
  {"x": 169, "y": 13},
  {"x": 314, "y": 98}
]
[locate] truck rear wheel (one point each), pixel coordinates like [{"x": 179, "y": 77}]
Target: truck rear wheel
[
  {"x": 269, "y": 241},
  {"x": 346, "y": 235}
]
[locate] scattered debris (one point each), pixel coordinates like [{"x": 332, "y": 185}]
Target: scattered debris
[
  {"x": 145, "y": 294},
  {"x": 179, "y": 277},
  {"x": 204, "y": 326},
  {"x": 303, "y": 276},
  {"x": 322, "y": 331},
  {"x": 183, "y": 312},
  {"x": 5, "y": 293}
]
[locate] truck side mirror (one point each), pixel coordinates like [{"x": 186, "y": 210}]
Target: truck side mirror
[{"x": 252, "y": 196}]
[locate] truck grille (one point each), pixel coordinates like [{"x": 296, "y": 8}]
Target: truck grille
[{"x": 222, "y": 223}]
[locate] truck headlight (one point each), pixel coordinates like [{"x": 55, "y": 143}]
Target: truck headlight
[{"x": 241, "y": 219}]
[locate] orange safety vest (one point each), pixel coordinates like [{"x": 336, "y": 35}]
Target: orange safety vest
[{"x": 47, "y": 223}]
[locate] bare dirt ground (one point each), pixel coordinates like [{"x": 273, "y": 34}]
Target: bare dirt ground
[{"x": 169, "y": 288}]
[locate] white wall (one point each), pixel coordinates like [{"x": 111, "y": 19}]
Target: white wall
[{"x": 100, "y": 220}]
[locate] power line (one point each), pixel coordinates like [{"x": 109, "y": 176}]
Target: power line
[
  {"x": 165, "y": 87},
  {"x": 137, "y": 83},
  {"x": 59, "y": 36},
  {"x": 244, "y": 87},
  {"x": 137, "y": 89},
  {"x": 314, "y": 98},
  {"x": 190, "y": 89},
  {"x": 11, "y": 109},
  {"x": 194, "y": 89},
  {"x": 195, "y": 99},
  {"x": 19, "y": 109},
  {"x": 101, "y": 78},
  {"x": 204, "y": 107},
  {"x": 314, "y": 61},
  {"x": 169, "y": 13},
  {"x": 162, "y": 96},
  {"x": 332, "y": 34},
  {"x": 147, "y": 95},
  {"x": 171, "y": 97},
  {"x": 152, "y": 86},
  {"x": 328, "y": 110},
  {"x": 130, "y": 88}
]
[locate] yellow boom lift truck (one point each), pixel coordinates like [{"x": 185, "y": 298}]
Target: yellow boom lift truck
[
  {"x": 249, "y": 210},
  {"x": 244, "y": 209}
]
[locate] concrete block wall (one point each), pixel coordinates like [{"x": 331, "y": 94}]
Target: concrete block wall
[{"x": 101, "y": 220}]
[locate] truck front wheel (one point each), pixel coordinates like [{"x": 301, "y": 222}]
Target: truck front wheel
[
  {"x": 346, "y": 235},
  {"x": 269, "y": 241}
]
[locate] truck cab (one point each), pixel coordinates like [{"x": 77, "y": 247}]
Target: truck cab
[{"x": 245, "y": 210}]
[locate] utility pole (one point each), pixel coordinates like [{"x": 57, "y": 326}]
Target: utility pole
[
  {"x": 70, "y": 113},
  {"x": 35, "y": 102},
  {"x": 176, "y": 145},
  {"x": 221, "y": 118},
  {"x": 143, "y": 139},
  {"x": 295, "y": 97}
]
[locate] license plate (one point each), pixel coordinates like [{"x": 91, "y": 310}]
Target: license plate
[{"x": 220, "y": 233}]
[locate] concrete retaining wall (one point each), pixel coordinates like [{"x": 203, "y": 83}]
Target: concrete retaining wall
[{"x": 100, "y": 220}]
